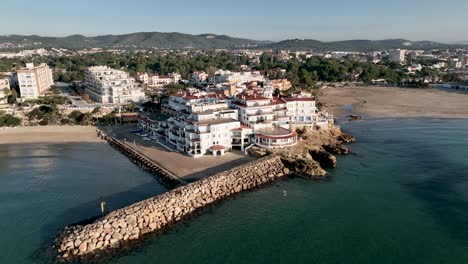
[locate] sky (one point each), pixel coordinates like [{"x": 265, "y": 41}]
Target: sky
[{"x": 326, "y": 20}]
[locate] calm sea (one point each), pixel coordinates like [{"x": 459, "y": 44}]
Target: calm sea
[{"x": 401, "y": 197}]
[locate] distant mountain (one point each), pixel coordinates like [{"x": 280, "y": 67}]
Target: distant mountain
[
  {"x": 357, "y": 45},
  {"x": 208, "y": 41},
  {"x": 140, "y": 40}
]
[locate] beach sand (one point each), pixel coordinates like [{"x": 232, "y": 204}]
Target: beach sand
[
  {"x": 48, "y": 134},
  {"x": 392, "y": 102}
]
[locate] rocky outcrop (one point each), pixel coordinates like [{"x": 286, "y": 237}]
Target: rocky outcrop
[
  {"x": 305, "y": 167},
  {"x": 325, "y": 159},
  {"x": 336, "y": 149},
  {"x": 121, "y": 227},
  {"x": 258, "y": 152},
  {"x": 344, "y": 138}
]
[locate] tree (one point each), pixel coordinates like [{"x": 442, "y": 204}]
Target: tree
[{"x": 12, "y": 97}]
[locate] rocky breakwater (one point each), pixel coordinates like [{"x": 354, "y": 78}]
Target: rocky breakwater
[
  {"x": 121, "y": 227},
  {"x": 313, "y": 154}
]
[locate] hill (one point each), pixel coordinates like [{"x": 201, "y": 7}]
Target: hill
[
  {"x": 357, "y": 45},
  {"x": 139, "y": 40},
  {"x": 176, "y": 40}
]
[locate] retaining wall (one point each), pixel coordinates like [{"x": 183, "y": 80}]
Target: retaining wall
[{"x": 130, "y": 223}]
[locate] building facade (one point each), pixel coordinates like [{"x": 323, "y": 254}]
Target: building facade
[
  {"x": 109, "y": 86},
  {"x": 33, "y": 80},
  {"x": 397, "y": 55},
  {"x": 4, "y": 91}
]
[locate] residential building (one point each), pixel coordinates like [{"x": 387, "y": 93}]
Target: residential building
[
  {"x": 142, "y": 77},
  {"x": 237, "y": 78},
  {"x": 4, "y": 91},
  {"x": 202, "y": 123},
  {"x": 109, "y": 86},
  {"x": 281, "y": 84},
  {"x": 159, "y": 81},
  {"x": 464, "y": 61},
  {"x": 34, "y": 81},
  {"x": 199, "y": 77},
  {"x": 397, "y": 55}
]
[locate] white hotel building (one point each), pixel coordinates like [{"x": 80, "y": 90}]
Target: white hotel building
[
  {"x": 109, "y": 86},
  {"x": 34, "y": 81}
]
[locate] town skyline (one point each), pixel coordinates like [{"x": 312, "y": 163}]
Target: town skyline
[{"x": 260, "y": 20}]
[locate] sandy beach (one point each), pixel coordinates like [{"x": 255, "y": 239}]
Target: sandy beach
[
  {"x": 392, "y": 102},
  {"x": 48, "y": 134}
]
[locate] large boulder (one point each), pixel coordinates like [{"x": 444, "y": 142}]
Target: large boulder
[
  {"x": 257, "y": 152},
  {"x": 345, "y": 138},
  {"x": 305, "y": 167},
  {"x": 325, "y": 159}
]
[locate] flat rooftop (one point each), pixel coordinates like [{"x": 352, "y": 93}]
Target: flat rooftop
[{"x": 274, "y": 131}]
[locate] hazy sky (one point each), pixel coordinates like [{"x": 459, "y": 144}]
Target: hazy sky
[{"x": 438, "y": 20}]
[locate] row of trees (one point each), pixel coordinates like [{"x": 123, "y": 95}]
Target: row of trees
[{"x": 303, "y": 73}]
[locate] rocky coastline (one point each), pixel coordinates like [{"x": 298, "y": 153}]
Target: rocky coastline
[{"x": 126, "y": 227}]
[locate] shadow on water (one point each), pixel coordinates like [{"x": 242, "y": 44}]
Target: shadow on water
[
  {"x": 85, "y": 213},
  {"x": 447, "y": 208}
]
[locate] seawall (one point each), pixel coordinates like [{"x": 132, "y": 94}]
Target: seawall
[{"x": 128, "y": 224}]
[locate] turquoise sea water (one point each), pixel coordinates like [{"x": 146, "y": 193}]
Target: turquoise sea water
[{"x": 401, "y": 197}]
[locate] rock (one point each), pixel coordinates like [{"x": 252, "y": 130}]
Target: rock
[
  {"x": 305, "y": 167},
  {"x": 325, "y": 159},
  {"x": 83, "y": 247},
  {"x": 346, "y": 138},
  {"x": 336, "y": 149},
  {"x": 257, "y": 152}
]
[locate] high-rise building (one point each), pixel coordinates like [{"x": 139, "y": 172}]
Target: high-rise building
[
  {"x": 110, "y": 86},
  {"x": 34, "y": 81},
  {"x": 464, "y": 61},
  {"x": 398, "y": 56}
]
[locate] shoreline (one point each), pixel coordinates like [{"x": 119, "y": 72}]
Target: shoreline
[
  {"x": 377, "y": 102},
  {"x": 49, "y": 135}
]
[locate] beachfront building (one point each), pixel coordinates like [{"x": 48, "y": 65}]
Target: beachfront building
[
  {"x": 209, "y": 123},
  {"x": 4, "y": 91},
  {"x": 34, "y": 80},
  {"x": 109, "y": 86},
  {"x": 398, "y": 56},
  {"x": 202, "y": 124}
]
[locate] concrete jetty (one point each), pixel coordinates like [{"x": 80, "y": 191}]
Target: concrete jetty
[
  {"x": 165, "y": 176},
  {"x": 119, "y": 228}
]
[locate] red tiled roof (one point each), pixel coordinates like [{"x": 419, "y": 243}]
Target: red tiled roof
[
  {"x": 251, "y": 97},
  {"x": 217, "y": 147}
]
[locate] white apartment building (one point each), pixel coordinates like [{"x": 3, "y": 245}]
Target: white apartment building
[
  {"x": 109, "y": 86},
  {"x": 158, "y": 81},
  {"x": 4, "y": 90},
  {"x": 199, "y": 77},
  {"x": 264, "y": 110},
  {"x": 237, "y": 78},
  {"x": 397, "y": 55},
  {"x": 34, "y": 81},
  {"x": 201, "y": 124}
]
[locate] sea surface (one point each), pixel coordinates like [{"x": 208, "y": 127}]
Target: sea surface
[{"x": 400, "y": 197}]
